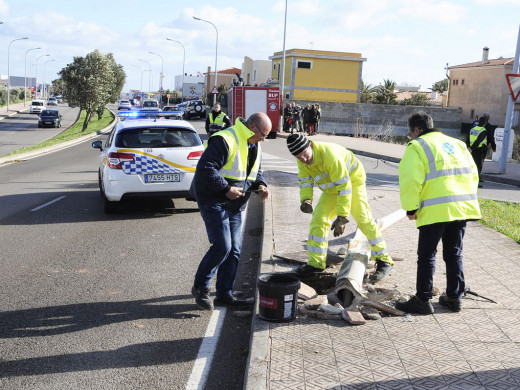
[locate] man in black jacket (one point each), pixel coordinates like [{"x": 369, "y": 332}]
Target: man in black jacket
[{"x": 217, "y": 120}]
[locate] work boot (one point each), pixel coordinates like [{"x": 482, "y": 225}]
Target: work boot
[
  {"x": 415, "y": 305},
  {"x": 232, "y": 302},
  {"x": 202, "y": 298},
  {"x": 383, "y": 269},
  {"x": 454, "y": 304},
  {"x": 307, "y": 270}
]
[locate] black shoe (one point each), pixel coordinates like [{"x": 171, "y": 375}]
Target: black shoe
[
  {"x": 202, "y": 298},
  {"x": 383, "y": 269},
  {"x": 415, "y": 305},
  {"x": 454, "y": 304},
  {"x": 232, "y": 302},
  {"x": 307, "y": 270}
]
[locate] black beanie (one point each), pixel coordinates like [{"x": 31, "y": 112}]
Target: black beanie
[{"x": 297, "y": 143}]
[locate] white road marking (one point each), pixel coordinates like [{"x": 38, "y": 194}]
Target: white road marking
[
  {"x": 200, "y": 371},
  {"x": 48, "y": 203}
]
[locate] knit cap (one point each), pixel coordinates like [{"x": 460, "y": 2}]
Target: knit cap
[{"x": 297, "y": 143}]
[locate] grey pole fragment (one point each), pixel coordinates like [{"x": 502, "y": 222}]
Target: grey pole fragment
[
  {"x": 509, "y": 116},
  {"x": 282, "y": 84}
]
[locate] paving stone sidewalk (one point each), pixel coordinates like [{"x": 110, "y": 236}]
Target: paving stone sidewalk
[{"x": 478, "y": 348}]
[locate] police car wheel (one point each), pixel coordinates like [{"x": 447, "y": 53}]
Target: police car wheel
[{"x": 198, "y": 108}]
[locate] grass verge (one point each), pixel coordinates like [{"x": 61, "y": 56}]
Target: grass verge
[
  {"x": 501, "y": 216},
  {"x": 72, "y": 132}
]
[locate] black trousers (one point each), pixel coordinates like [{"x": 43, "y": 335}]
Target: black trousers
[
  {"x": 452, "y": 235},
  {"x": 479, "y": 156}
]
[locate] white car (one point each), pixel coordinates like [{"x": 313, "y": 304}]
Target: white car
[
  {"x": 124, "y": 105},
  {"x": 52, "y": 101},
  {"x": 147, "y": 157},
  {"x": 37, "y": 106}
]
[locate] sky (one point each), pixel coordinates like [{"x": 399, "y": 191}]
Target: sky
[{"x": 406, "y": 41}]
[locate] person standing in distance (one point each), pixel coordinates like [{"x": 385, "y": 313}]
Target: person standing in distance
[
  {"x": 341, "y": 177},
  {"x": 477, "y": 144},
  {"x": 438, "y": 182},
  {"x": 226, "y": 174},
  {"x": 216, "y": 120}
]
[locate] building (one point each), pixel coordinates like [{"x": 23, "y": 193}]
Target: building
[
  {"x": 189, "y": 79},
  {"x": 405, "y": 92},
  {"x": 316, "y": 75},
  {"x": 480, "y": 87},
  {"x": 255, "y": 72},
  {"x": 226, "y": 77}
]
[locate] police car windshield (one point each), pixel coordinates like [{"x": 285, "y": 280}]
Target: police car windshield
[{"x": 155, "y": 137}]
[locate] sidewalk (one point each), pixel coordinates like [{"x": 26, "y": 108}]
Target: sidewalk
[
  {"x": 477, "y": 348},
  {"x": 13, "y": 109}
]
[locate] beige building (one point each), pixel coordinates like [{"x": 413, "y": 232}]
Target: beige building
[
  {"x": 225, "y": 77},
  {"x": 255, "y": 72},
  {"x": 480, "y": 87}
]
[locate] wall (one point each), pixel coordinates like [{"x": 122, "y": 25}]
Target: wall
[{"x": 372, "y": 119}]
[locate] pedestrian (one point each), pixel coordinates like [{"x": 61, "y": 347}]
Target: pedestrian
[
  {"x": 287, "y": 115},
  {"x": 341, "y": 177},
  {"x": 438, "y": 189},
  {"x": 296, "y": 122},
  {"x": 477, "y": 144},
  {"x": 217, "y": 120},
  {"x": 305, "y": 118},
  {"x": 312, "y": 120},
  {"x": 227, "y": 172},
  {"x": 318, "y": 117}
]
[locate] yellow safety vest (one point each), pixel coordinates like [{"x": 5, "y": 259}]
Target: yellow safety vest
[
  {"x": 217, "y": 123},
  {"x": 236, "y": 166},
  {"x": 473, "y": 135},
  {"x": 438, "y": 178},
  {"x": 334, "y": 169}
]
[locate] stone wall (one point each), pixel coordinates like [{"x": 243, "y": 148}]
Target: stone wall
[{"x": 360, "y": 119}]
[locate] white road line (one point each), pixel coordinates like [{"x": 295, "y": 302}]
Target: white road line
[
  {"x": 200, "y": 371},
  {"x": 48, "y": 203}
]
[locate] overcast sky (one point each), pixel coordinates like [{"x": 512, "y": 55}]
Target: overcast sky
[{"x": 407, "y": 41}]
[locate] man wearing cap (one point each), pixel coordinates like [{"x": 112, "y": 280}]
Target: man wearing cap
[{"x": 341, "y": 177}]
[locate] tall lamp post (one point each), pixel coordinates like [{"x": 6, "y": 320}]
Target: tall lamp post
[
  {"x": 149, "y": 75},
  {"x": 141, "y": 70},
  {"x": 160, "y": 78},
  {"x": 36, "y": 76},
  {"x": 25, "y": 76},
  {"x": 183, "y": 62},
  {"x": 44, "y": 85},
  {"x": 8, "y": 73},
  {"x": 216, "y": 47}
]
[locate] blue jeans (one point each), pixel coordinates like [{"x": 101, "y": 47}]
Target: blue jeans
[
  {"x": 452, "y": 234},
  {"x": 223, "y": 228}
]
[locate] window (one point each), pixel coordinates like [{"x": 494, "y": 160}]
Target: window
[
  {"x": 274, "y": 66},
  {"x": 254, "y": 75},
  {"x": 472, "y": 115},
  {"x": 304, "y": 65},
  {"x": 462, "y": 82}
]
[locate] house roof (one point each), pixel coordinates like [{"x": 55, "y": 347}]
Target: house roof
[
  {"x": 402, "y": 95},
  {"x": 231, "y": 71},
  {"x": 496, "y": 62}
]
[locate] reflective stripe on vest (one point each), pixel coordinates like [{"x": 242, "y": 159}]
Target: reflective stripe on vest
[
  {"x": 217, "y": 123},
  {"x": 341, "y": 181},
  {"x": 473, "y": 135},
  {"x": 234, "y": 172}
]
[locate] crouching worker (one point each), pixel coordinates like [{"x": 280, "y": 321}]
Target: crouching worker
[
  {"x": 227, "y": 172},
  {"x": 341, "y": 177}
]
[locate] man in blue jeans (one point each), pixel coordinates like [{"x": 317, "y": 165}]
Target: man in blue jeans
[{"x": 226, "y": 175}]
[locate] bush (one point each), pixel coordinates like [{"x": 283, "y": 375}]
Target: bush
[{"x": 516, "y": 146}]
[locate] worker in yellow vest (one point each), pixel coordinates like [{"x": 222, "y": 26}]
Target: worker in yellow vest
[
  {"x": 438, "y": 188},
  {"x": 477, "y": 144},
  {"x": 341, "y": 178},
  {"x": 217, "y": 120}
]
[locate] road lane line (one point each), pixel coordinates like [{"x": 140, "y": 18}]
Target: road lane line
[
  {"x": 48, "y": 203},
  {"x": 200, "y": 371}
]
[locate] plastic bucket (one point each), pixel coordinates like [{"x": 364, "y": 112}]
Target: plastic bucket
[{"x": 278, "y": 297}]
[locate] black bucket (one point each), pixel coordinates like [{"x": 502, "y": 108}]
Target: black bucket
[{"x": 278, "y": 297}]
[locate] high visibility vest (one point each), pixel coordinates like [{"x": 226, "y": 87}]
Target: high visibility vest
[
  {"x": 329, "y": 175},
  {"x": 473, "y": 135},
  {"x": 217, "y": 123},
  {"x": 438, "y": 178},
  {"x": 235, "y": 169}
]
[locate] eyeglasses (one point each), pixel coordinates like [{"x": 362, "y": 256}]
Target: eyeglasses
[{"x": 264, "y": 136}]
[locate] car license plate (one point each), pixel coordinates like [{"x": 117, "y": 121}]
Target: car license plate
[
  {"x": 164, "y": 177},
  {"x": 48, "y": 123}
]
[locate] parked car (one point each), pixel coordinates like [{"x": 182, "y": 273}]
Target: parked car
[
  {"x": 37, "y": 106},
  {"x": 195, "y": 108},
  {"x": 124, "y": 105},
  {"x": 181, "y": 106},
  {"x": 173, "y": 112},
  {"x": 52, "y": 101},
  {"x": 147, "y": 157},
  {"x": 49, "y": 118}
]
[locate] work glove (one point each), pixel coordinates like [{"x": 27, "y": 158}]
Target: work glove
[
  {"x": 339, "y": 226},
  {"x": 306, "y": 206}
]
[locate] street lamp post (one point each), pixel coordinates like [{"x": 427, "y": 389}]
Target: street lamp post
[
  {"x": 141, "y": 70},
  {"x": 216, "y": 47},
  {"x": 160, "y": 78},
  {"x": 36, "y": 76},
  {"x": 183, "y": 62},
  {"x": 25, "y": 76},
  {"x": 44, "y": 85},
  {"x": 8, "y": 72},
  {"x": 149, "y": 75}
]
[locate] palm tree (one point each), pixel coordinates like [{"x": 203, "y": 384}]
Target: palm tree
[
  {"x": 367, "y": 92},
  {"x": 385, "y": 93},
  {"x": 440, "y": 86}
]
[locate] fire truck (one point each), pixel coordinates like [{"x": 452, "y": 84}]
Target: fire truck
[{"x": 245, "y": 101}]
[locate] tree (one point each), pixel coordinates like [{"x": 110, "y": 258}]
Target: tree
[
  {"x": 92, "y": 82},
  {"x": 441, "y": 86},
  {"x": 367, "y": 92},
  {"x": 417, "y": 99},
  {"x": 385, "y": 93}
]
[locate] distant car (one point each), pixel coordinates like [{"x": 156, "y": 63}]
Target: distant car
[
  {"x": 147, "y": 157},
  {"x": 124, "y": 105},
  {"x": 173, "y": 112},
  {"x": 195, "y": 108},
  {"x": 52, "y": 101},
  {"x": 37, "y": 106},
  {"x": 181, "y": 106},
  {"x": 150, "y": 105},
  {"x": 59, "y": 98},
  {"x": 49, "y": 118}
]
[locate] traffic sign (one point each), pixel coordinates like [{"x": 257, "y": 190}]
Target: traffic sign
[
  {"x": 214, "y": 90},
  {"x": 513, "y": 81},
  {"x": 168, "y": 95}
]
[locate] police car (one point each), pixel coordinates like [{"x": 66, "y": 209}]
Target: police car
[{"x": 146, "y": 156}]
